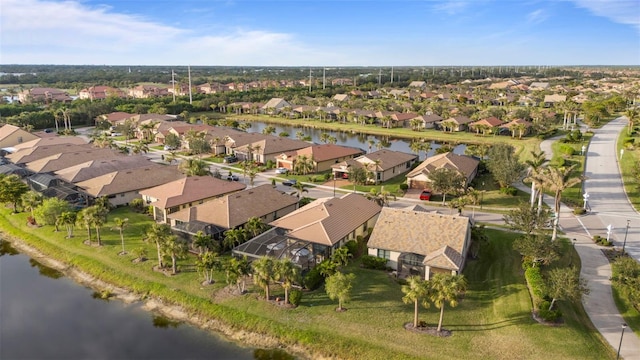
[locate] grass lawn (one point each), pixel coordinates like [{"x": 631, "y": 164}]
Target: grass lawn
[
  {"x": 492, "y": 322},
  {"x": 573, "y": 195},
  {"x": 627, "y": 167}
]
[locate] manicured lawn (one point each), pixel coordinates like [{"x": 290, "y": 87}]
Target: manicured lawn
[
  {"x": 627, "y": 167},
  {"x": 573, "y": 195},
  {"x": 493, "y": 321}
]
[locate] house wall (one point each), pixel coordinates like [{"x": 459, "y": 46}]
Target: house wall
[
  {"x": 123, "y": 198},
  {"x": 393, "y": 258},
  {"x": 395, "y": 171},
  {"x": 420, "y": 181}
]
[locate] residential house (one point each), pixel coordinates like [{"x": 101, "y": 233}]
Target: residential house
[
  {"x": 550, "y": 100},
  {"x": 94, "y": 168},
  {"x": 418, "y": 84},
  {"x": 267, "y": 148},
  {"x": 186, "y": 192},
  {"x": 64, "y": 160},
  {"x": 402, "y": 119},
  {"x": 487, "y": 125},
  {"x": 274, "y": 105},
  {"x": 340, "y": 97},
  {"x": 518, "y": 127},
  {"x": 428, "y": 121},
  {"x": 114, "y": 118},
  {"x": 50, "y": 140},
  {"x": 147, "y": 91},
  {"x": 418, "y": 178},
  {"x": 456, "y": 123},
  {"x": 539, "y": 85},
  {"x": 120, "y": 187},
  {"x": 417, "y": 242},
  {"x": 43, "y": 95},
  {"x": 383, "y": 164},
  {"x": 310, "y": 234},
  {"x": 322, "y": 156},
  {"x": 26, "y": 155},
  {"x": 233, "y": 210},
  {"x": 11, "y": 136},
  {"x": 100, "y": 92}
]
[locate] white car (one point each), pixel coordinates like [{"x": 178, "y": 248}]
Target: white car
[{"x": 282, "y": 170}]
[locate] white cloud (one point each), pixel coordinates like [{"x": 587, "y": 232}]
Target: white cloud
[
  {"x": 69, "y": 32},
  {"x": 537, "y": 16},
  {"x": 620, "y": 11},
  {"x": 451, "y": 7}
]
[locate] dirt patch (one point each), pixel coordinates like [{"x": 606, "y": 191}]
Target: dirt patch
[{"x": 433, "y": 331}]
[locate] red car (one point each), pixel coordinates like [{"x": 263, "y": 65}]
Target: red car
[{"x": 425, "y": 195}]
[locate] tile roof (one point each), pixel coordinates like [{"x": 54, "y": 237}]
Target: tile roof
[
  {"x": 95, "y": 168},
  {"x": 190, "y": 189},
  {"x": 440, "y": 238},
  {"x": 490, "y": 121},
  {"x": 7, "y": 130},
  {"x": 271, "y": 145},
  {"x": 130, "y": 180},
  {"x": 466, "y": 165},
  {"x": 64, "y": 160},
  {"x": 328, "y": 220},
  {"x": 235, "y": 209},
  {"x": 26, "y": 155},
  {"x": 388, "y": 158},
  {"x": 324, "y": 152},
  {"x": 51, "y": 140}
]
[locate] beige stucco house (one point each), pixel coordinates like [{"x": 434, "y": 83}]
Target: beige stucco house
[
  {"x": 11, "y": 135},
  {"x": 418, "y": 178}
]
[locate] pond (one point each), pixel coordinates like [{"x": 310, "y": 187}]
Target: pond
[{"x": 46, "y": 315}]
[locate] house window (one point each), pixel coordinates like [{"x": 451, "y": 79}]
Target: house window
[
  {"x": 385, "y": 254},
  {"x": 20, "y": 140}
]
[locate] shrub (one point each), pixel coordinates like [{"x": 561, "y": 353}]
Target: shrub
[
  {"x": 352, "y": 246},
  {"x": 602, "y": 241},
  {"x": 270, "y": 164},
  {"x": 546, "y": 314},
  {"x": 567, "y": 149},
  {"x": 404, "y": 187},
  {"x": 579, "y": 211},
  {"x": 137, "y": 204},
  {"x": 328, "y": 176},
  {"x": 511, "y": 191},
  {"x": 295, "y": 296},
  {"x": 313, "y": 279},
  {"x": 536, "y": 283},
  {"x": 374, "y": 262}
]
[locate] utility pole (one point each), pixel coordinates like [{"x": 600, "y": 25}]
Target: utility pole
[
  {"x": 190, "y": 96},
  {"x": 379, "y": 77},
  {"x": 392, "y": 75},
  {"x": 309, "y": 80},
  {"x": 324, "y": 77},
  {"x": 173, "y": 81}
]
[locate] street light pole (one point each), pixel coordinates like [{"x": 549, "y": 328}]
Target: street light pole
[
  {"x": 334, "y": 185},
  {"x": 624, "y": 326},
  {"x": 625, "y": 237}
]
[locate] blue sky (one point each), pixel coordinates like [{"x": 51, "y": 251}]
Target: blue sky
[{"x": 320, "y": 33}]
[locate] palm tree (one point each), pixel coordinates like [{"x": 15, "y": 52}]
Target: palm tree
[
  {"x": 443, "y": 289},
  {"x": 120, "y": 224},
  {"x": 287, "y": 273},
  {"x": 97, "y": 216},
  {"x": 67, "y": 219},
  {"x": 158, "y": 233},
  {"x": 202, "y": 241},
  {"x": 300, "y": 188},
  {"x": 263, "y": 273},
  {"x": 557, "y": 180},
  {"x": 416, "y": 291},
  {"x": 632, "y": 116},
  {"x": 174, "y": 248},
  {"x": 254, "y": 226},
  {"x": 371, "y": 142},
  {"x": 207, "y": 263},
  {"x": 233, "y": 237},
  {"x": 194, "y": 167},
  {"x": 84, "y": 219},
  {"x": 235, "y": 271},
  {"x": 535, "y": 165},
  {"x": 381, "y": 197},
  {"x": 30, "y": 200}
]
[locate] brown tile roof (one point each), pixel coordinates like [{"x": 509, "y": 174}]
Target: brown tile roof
[
  {"x": 388, "y": 158},
  {"x": 95, "y": 168},
  {"x": 116, "y": 116},
  {"x": 403, "y": 116},
  {"x": 460, "y": 120},
  {"x": 7, "y": 130},
  {"x": 130, "y": 180},
  {"x": 51, "y": 140},
  {"x": 325, "y": 152},
  {"x": 466, "y": 165},
  {"x": 431, "y": 118},
  {"x": 273, "y": 145},
  {"x": 516, "y": 122},
  {"x": 23, "y": 156},
  {"x": 190, "y": 189},
  {"x": 64, "y": 160},
  {"x": 490, "y": 121},
  {"x": 235, "y": 209},
  {"x": 328, "y": 220},
  {"x": 440, "y": 238}
]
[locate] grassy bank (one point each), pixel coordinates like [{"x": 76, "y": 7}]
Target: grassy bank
[{"x": 492, "y": 322}]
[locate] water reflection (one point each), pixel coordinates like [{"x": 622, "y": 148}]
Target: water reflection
[
  {"x": 271, "y": 354},
  {"x": 359, "y": 140},
  {"x": 7, "y": 249},
  {"x": 164, "y": 323},
  {"x": 45, "y": 270}
]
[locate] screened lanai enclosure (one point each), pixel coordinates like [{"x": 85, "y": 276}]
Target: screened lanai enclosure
[{"x": 276, "y": 244}]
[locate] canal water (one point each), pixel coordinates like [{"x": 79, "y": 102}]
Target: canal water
[
  {"x": 45, "y": 315},
  {"x": 350, "y": 139}
]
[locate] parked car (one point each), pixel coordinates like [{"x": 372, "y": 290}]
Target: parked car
[
  {"x": 230, "y": 159},
  {"x": 233, "y": 177},
  {"x": 290, "y": 182},
  {"x": 169, "y": 148},
  {"x": 282, "y": 170},
  {"x": 425, "y": 195}
]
